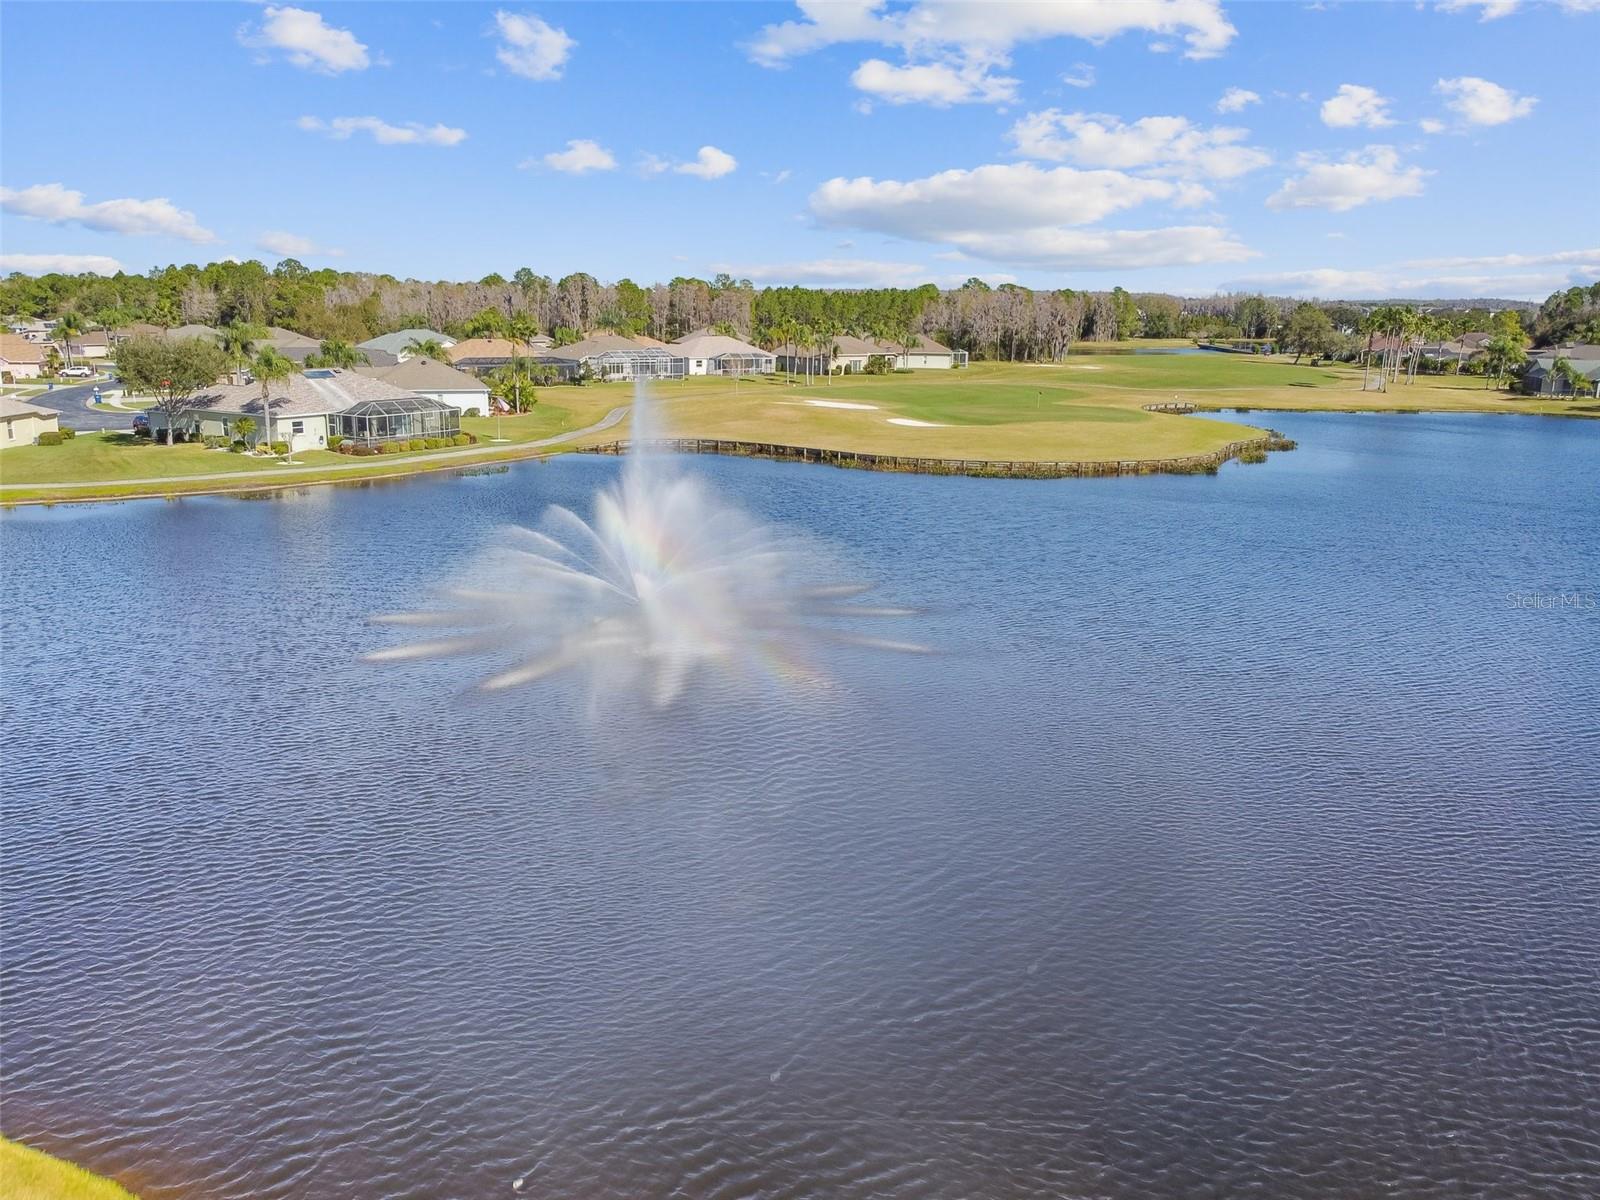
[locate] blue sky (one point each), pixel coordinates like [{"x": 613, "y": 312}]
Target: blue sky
[{"x": 1367, "y": 148}]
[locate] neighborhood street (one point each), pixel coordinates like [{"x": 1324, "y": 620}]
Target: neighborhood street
[{"x": 73, "y": 403}]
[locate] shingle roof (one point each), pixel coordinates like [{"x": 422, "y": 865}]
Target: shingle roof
[
  {"x": 18, "y": 349},
  {"x": 192, "y": 331},
  {"x": 396, "y": 342},
  {"x": 474, "y": 348},
  {"x": 426, "y": 375},
  {"x": 311, "y": 394},
  {"x": 11, "y": 408},
  {"x": 596, "y": 343},
  {"x": 712, "y": 345}
]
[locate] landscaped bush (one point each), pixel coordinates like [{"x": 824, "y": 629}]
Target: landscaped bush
[
  {"x": 50, "y": 438},
  {"x": 68, "y": 433},
  {"x": 434, "y": 443},
  {"x": 215, "y": 441},
  {"x": 280, "y": 447},
  {"x": 335, "y": 440},
  {"x": 362, "y": 450},
  {"x": 461, "y": 439},
  {"x": 237, "y": 446},
  {"x": 396, "y": 447},
  {"x": 877, "y": 364},
  {"x": 418, "y": 443}
]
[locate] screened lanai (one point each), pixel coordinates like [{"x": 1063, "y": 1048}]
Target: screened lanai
[
  {"x": 396, "y": 417},
  {"x": 643, "y": 363}
]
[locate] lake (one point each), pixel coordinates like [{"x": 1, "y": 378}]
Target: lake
[{"x": 1239, "y": 840}]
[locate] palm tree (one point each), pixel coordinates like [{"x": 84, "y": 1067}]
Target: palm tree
[
  {"x": 508, "y": 382},
  {"x": 238, "y": 340},
  {"x": 270, "y": 367},
  {"x": 68, "y": 326},
  {"x": 426, "y": 348},
  {"x": 338, "y": 354}
]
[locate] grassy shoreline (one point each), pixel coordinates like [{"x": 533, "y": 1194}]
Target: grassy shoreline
[
  {"x": 1090, "y": 408},
  {"x": 29, "y": 1174}
]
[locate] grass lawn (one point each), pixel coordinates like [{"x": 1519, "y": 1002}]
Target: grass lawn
[
  {"x": 1089, "y": 408},
  {"x": 124, "y": 464},
  {"x": 27, "y": 1174}
]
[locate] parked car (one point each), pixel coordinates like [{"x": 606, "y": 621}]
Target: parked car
[{"x": 77, "y": 372}]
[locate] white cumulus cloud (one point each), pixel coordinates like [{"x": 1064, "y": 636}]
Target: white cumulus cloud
[
  {"x": 940, "y": 84},
  {"x": 1081, "y": 76},
  {"x": 65, "y": 264},
  {"x": 412, "y": 133},
  {"x": 1360, "y": 177},
  {"x": 1170, "y": 145},
  {"x": 581, "y": 156},
  {"x": 292, "y": 245},
  {"x": 1019, "y": 213},
  {"x": 1512, "y": 276},
  {"x": 830, "y": 272},
  {"x": 1487, "y": 10},
  {"x": 1354, "y": 105},
  {"x": 530, "y": 46},
  {"x": 986, "y": 28},
  {"x": 709, "y": 163},
  {"x": 307, "y": 41},
  {"x": 1237, "y": 99},
  {"x": 1479, "y": 102},
  {"x": 61, "y": 206}
]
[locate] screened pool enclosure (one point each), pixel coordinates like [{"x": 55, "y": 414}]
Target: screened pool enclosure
[{"x": 397, "y": 417}]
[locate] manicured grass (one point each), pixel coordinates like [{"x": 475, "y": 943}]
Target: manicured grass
[
  {"x": 1089, "y": 408},
  {"x": 28, "y": 1174}
]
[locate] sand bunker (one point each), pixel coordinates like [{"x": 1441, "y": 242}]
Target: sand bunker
[
  {"x": 917, "y": 423},
  {"x": 840, "y": 404},
  {"x": 1081, "y": 367}
]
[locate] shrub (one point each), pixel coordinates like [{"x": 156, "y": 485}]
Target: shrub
[
  {"x": 396, "y": 447},
  {"x": 237, "y": 446},
  {"x": 280, "y": 447},
  {"x": 215, "y": 441},
  {"x": 472, "y": 439},
  {"x": 877, "y": 364},
  {"x": 461, "y": 439},
  {"x": 418, "y": 444},
  {"x": 435, "y": 443},
  {"x": 364, "y": 451},
  {"x": 1253, "y": 456},
  {"x": 50, "y": 438},
  {"x": 68, "y": 433},
  {"x": 902, "y": 370},
  {"x": 335, "y": 440}
]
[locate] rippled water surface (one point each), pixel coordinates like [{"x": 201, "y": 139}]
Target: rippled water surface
[{"x": 1241, "y": 841}]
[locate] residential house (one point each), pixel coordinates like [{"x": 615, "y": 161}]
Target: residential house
[
  {"x": 20, "y": 358},
  {"x": 296, "y": 347},
  {"x": 311, "y": 406},
  {"x": 613, "y": 357},
  {"x": 31, "y": 329},
  {"x": 485, "y": 354},
  {"x": 136, "y": 329},
  {"x": 94, "y": 343},
  {"x": 849, "y": 355},
  {"x": 24, "y": 423},
  {"x": 437, "y": 381},
  {"x": 1540, "y": 378},
  {"x": 388, "y": 349},
  {"x": 707, "y": 353},
  {"x": 183, "y": 332}
]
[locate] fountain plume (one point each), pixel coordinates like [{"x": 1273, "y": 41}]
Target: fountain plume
[{"x": 667, "y": 584}]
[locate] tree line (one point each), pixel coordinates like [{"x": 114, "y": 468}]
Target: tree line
[{"x": 1007, "y": 322}]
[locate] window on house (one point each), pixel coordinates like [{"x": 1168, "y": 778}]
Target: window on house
[{"x": 298, "y": 427}]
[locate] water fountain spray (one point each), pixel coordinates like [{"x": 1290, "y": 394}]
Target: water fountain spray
[{"x": 668, "y": 583}]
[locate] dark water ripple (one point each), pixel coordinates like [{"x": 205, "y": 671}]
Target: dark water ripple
[{"x": 1240, "y": 842}]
